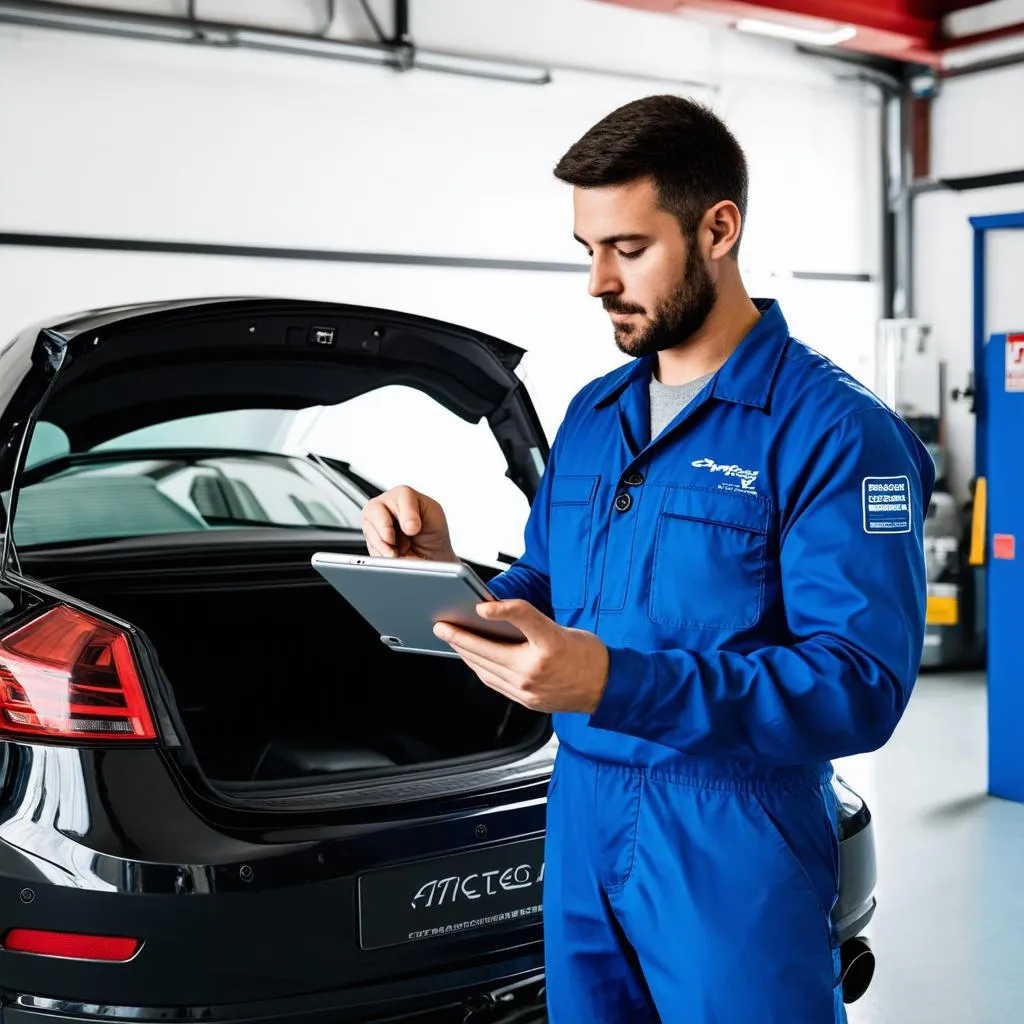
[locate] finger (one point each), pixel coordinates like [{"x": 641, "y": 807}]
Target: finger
[
  {"x": 504, "y": 672},
  {"x": 533, "y": 624},
  {"x": 407, "y": 510},
  {"x": 495, "y": 682},
  {"x": 379, "y": 516},
  {"x": 495, "y": 651},
  {"x": 374, "y": 543},
  {"x": 489, "y": 679}
]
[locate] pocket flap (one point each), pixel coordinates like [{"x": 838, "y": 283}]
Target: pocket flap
[
  {"x": 744, "y": 511},
  {"x": 573, "y": 490}
]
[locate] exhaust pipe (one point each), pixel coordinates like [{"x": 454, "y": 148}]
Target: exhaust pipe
[{"x": 857, "y": 967}]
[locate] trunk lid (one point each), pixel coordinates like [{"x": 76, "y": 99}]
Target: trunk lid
[{"x": 101, "y": 374}]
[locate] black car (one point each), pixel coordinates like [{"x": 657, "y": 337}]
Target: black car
[{"x": 221, "y": 796}]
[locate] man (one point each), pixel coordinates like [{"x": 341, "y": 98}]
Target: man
[{"x": 723, "y": 589}]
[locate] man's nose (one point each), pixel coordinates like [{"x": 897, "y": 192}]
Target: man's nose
[{"x": 603, "y": 279}]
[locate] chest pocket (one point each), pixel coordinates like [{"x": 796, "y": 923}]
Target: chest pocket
[
  {"x": 710, "y": 552},
  {"x": 571, "y": 520}
]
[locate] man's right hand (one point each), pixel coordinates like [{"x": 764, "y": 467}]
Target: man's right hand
[{"x": 402, "y": 523}]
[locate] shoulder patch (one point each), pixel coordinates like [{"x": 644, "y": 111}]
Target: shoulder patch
[{"x": 886, "y": 504}]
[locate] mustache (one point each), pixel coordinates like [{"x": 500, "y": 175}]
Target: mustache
[{"x": 612, "y": 305}]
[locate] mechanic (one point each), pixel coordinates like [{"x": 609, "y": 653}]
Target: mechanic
[{"x": 723, "y": 589}]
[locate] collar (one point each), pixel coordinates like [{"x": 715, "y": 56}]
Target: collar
[{"x": 747, "y": 376}]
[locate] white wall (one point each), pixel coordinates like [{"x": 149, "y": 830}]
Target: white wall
[
  {"x": 975, "y": 130},
  {"x": 145, "y": 140}
]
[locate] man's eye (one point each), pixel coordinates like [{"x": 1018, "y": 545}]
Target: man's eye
[{"x": 631, "y": 255}]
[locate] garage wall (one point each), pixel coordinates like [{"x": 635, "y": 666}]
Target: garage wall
[
  {"x": 974, "y": 132},
  {"x": 132, "y": 139}
]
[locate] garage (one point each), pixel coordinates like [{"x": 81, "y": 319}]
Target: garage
[{"x": 508, "y": 510}]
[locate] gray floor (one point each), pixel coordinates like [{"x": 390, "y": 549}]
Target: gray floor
[{"x": 949, "y": 931}]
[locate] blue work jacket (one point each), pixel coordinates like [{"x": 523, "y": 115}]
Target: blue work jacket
[{"x": 757, "y": 571}]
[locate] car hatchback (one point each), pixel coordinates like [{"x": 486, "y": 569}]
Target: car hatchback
[{"x": 221, "y": 796}]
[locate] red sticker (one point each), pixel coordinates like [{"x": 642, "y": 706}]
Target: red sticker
[
  {"x": 1015, "y": 362},
  {"x": 1003, "y": 546}
]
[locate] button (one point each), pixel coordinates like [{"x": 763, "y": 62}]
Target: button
[
  {"x": 623, "y": 502},
  {"x": 633, "y": 479}
]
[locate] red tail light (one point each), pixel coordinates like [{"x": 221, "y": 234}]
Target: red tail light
[
  {"x": 75, "y": 947},
  {"x": 66, "y": 675}
]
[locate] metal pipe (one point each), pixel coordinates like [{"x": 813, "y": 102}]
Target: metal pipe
[
  {"x": 144, "y": 26},
  {"x": 401, "y": 36},
  {"x": 992, "y": 64},
  {"x": 163, "y": 28},
  {"x": 903, "y": 305},
  {"x": 895, "y": 244},
  {"x": 888, "y": 233}
]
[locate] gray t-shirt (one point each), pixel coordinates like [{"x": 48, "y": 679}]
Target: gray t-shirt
[{"x": 668, "y": 400}]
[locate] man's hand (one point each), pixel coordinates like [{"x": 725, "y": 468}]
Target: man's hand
[
  {"x": 403, "y": 523},
  {"x": 554, "y": 669}
]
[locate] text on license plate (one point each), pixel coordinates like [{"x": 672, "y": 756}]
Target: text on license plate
[{"x": 500, "y": 885}]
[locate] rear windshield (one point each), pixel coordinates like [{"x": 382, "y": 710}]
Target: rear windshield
[{"x": 309, "y": 469}]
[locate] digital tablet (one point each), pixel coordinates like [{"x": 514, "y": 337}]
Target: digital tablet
[{"x": 402, "y": 599}]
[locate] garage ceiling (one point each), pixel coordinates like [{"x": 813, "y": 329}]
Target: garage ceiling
[{"x": 914, "y": 31}]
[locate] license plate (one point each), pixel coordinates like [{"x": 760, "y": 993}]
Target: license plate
[{"x": 464, "y": 892}]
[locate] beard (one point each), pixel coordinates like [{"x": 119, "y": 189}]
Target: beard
[{"x": 675, "y": 320}]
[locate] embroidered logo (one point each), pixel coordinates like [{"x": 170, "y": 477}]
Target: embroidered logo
[
  {"x": 746, "y": 477},
  {"x": 885, "y": 502}
]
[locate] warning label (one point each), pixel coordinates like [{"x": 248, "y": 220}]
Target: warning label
[
  {"x": 886, "y": 502},
  {"x": 1004, "y": 546},
  {"x": 1015, "y": 362}
]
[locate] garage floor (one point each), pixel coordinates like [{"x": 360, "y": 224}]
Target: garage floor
[{"x": 949, "y": 930}]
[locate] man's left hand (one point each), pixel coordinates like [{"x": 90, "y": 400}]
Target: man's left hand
[{"x": 553, "y": 669}]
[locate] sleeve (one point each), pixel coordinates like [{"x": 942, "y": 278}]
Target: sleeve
[
  {"x": 528, "y": 578},
  {"x": 855, "y": 592}
]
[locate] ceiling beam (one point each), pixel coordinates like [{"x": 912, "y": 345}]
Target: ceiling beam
[{"x": 910, "y": 31}]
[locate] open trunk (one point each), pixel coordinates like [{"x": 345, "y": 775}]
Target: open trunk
[{"x": 277, "y": 679}]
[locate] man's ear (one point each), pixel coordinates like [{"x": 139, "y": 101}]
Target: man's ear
[{"x": 722, "y": 225}]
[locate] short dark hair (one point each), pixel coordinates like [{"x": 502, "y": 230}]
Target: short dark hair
[{"x": 687, "y": 150}]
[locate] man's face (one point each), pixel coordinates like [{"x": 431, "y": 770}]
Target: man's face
[{"x": 654, "y": 284}]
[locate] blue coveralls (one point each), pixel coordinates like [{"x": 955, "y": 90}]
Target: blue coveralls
[{"x": 757, "y": 573}]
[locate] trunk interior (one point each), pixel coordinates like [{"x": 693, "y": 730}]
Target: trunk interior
[{"x": 278, "y": 679}]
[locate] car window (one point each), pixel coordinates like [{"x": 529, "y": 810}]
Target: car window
[
  {"x": 251, "y": 429},
  {"x": 131, "y": 497},
  {"x": 48, "y": 442}
]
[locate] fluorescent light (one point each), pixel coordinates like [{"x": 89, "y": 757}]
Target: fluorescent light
[
  {"x": 812, "y": 37},
  {"x": 986, "y": 17}
]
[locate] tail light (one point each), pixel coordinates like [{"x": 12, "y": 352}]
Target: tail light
[
  {"x": 112, "y": 949},
  {"x": 68, "y": 675}
]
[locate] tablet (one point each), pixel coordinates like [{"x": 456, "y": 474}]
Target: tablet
[{"x": 402, "y": 598}]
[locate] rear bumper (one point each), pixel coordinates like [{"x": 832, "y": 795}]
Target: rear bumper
[
  {"x": 858, "y": 875},
  {"x": 503, "y": 994}
]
